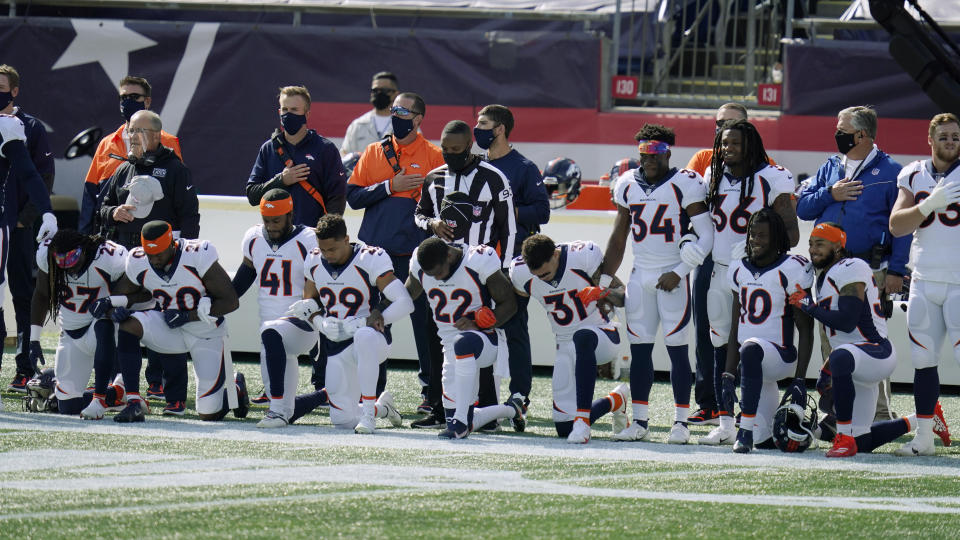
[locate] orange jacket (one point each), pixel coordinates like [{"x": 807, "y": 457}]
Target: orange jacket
[{"x": 103, "y": 165}]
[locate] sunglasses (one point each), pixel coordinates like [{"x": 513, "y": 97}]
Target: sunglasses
[
  {"x": 384, "y": 90},
  {"x": 402, "y": 111},
  {"x": 135, "y": 97}
]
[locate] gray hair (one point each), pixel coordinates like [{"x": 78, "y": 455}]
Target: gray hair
[
  {"x": 863, "y": 117},
  {"x": 155, "y": 122}
]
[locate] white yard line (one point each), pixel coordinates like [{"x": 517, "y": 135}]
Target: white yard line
[{"x": 506, "y": 444}]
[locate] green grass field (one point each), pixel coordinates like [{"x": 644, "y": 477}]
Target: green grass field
[{"x": 61, "y": 477}]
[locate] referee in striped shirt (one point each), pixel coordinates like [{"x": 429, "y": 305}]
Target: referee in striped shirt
[{"x": 493, "y": 219}]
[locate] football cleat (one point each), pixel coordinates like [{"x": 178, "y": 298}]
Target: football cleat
[
  {"x": 492, "y": 426},
  {"x": 718, "y": 437},
  {"x": 919, "y": 446},
  {"x": 620, "y": 421},
  {"x": 177, "y": 408},
  {"x": 117, "y": 399},
  {"x": 518, "y": 421},
  {"x": 580, "y": 434},
  {"x": 366, "y": 425},
  {"x": 704, "y": 417},
  {"x": 243, "y": 398},
  {"x": 19, "y": 384},
  {"x": 155, "y": 391},
  {"x": 940, "y": 427},
  {"x": 272, "y": 420},
  {"x": 843, "y": 446},
  {"x": 679, "y": 434},
  {"x": 455, "y": 430},
  {"x": 95, "y": 410},
  {"x": 633, "y": 432},
  {"x": 393, "y": 415},
  {"x": 135, "y": 411},
  {"x": 744, "y": 442},
  {"x": 424, "y": 407},
  {"x": 262, "y": 399},
  {"x": 428, "y": 422}
]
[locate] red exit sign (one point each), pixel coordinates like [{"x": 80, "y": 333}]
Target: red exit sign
[
  {"x": 768, "y": 94},
  {"x": 624, "y": 87}
]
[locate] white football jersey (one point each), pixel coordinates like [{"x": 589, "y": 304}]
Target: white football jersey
[
  {"x": 578, "y": 262},
  {"x": 82, "y": 291},
  {"x": 764, "y": 310},
  {"x": 349, "y": 290},
  {"x": 279, "y": 267},
  {"x": 463, "y": 292},
  {"x": 931, "y": 261},
  {"x": 871, "y": 325},
  {"x": 658, "y": 219},
  {"x": 181, "y": 286},
  {"x": 731, "y": 214}
]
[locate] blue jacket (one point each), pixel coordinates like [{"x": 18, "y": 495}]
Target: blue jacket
[
  {"x": 865, "y": 220},
  {"x": 327, "y": 176},
  {"x": 529, "y": 195},
  {"x": 27, "y": 179}
]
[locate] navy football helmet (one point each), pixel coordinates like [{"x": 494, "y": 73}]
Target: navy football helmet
[
  {"x": 456, "y": 210},
  {"x": 350, "y": 161},
  {"x": 562, "y": 180},
  {"x": 40, "y": 392},
  {"x": 794, "y": 425}
]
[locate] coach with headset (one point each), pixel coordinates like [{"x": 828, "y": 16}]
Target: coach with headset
[{"x": 857, "y": 189}]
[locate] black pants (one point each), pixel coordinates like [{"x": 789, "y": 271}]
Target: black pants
[
  {"x": 703, "y": 390},
  {"x": 21, "y": 272}
]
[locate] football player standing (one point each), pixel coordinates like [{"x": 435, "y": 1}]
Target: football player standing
[
  {"x": 563, "y": 279},
  {"x": 929, "y": 207},
  {"x": 656, "y": 205}
]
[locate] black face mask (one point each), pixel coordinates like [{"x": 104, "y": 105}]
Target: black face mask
[
  {"x": 129, "y": 107},
  {"x": 457, "y": 162},
  {"x": 380, "y": 100},
  {"x": 401, "y": 126},
  {"x": 845, "y": 141}
]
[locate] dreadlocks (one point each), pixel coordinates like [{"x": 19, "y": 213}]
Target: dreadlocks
[
  {"x": 754, "y": 157},
  {"x": 779, "y": 241},
  {"x": 66, "y": 240}
]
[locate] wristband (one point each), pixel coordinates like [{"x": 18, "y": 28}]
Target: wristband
[
  {"x": 118, "y": 301},
  {"x": 35, "y": 331},
  {"x": 605, "y": 281}
]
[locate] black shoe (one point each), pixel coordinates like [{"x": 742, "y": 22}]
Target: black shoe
[
  {"x": 429, "y": 422},
  {"x": 135, "y": 411},
  {"x": 243, "y": 398},
  {"x": 262, "y": 399},
  {"x": 424, "y": 407},
  {"x": 744, "y": 442},
  {"x": 19, "y": 383},
  {"x": 490, "y": 427},
  {"x": 155, "y": 391},
  {"x": 704, "y": 417},
  {"x": 518, "y": 421}
]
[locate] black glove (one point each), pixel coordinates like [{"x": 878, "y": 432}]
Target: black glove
[
  {"x": 120, "y": 314},
  {"x": 101, "y": 307},
  {"x": 728, "y": 392},
  {"x": 798, "y": 391},
  {"x": 825, "y": 381},
  {"x": 175, "y": 318},
  {"x": 36, "y": 354}
]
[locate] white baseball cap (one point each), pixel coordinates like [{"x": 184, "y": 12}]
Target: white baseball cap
[{"x": 144, "y": 190}]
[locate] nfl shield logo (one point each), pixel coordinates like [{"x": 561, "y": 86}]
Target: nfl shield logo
[{"x": 477, "y": 210}]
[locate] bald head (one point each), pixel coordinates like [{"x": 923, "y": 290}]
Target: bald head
[{"x": 147, "y": 119}]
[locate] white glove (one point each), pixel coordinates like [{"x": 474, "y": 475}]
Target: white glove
[
  {"x": 739, "y": 251},
  {"x": 303, "y": 309},
  {"x": 690, "y": 253},
  {"x": 48, "y": 228},
  {"x": 341, "y": 329},
  {"x": 11, "y": 129},
  {"x": 941, "y": 197},
  {"x": 203, "y": 311}
]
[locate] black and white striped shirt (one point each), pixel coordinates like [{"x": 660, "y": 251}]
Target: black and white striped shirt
[{"x": 494, "y": 222}]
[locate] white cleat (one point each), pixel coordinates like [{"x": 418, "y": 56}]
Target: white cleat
[
  {"x": 633, "y": 432},
  {"x": 679, "y": 434},
  {"x": 917, "y": 447},
  {"x": 718, "y": 437},
  {"x": 366, "y": 425},
  {"x": 94, "y": 411},
  {"x": 272, "y": 420},
  {"x": 620, "y": 421},
  {"x": 393, "y": 415},
  {"x": 580, "y": 434}
]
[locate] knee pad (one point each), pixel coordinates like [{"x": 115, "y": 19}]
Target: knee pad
[
  {"x": 951, "y": 312},
  {"x": 631, "y": 303},
  {"x": 585, "y": 341},
  {"x": 468, "y": 343},
  {"x": 718, "y": 315},
  {"x": 841, "y": 363}
]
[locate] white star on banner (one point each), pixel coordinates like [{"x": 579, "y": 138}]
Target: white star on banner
[{"x": 108, "y": 43}]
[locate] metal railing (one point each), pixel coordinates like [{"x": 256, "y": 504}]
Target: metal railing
[{"x": 705, "y": 52}]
